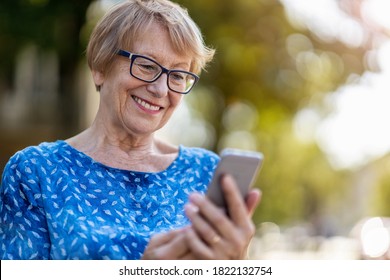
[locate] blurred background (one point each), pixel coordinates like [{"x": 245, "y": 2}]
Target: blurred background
[{"x": 305, "y": 82}]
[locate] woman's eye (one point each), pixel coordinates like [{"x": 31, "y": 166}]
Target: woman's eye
[
  {"x": 177, "y": 76},
  {"x": 148, "y": 67}
]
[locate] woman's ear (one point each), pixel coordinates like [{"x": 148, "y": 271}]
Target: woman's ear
[{"x": 98, "y": 78}]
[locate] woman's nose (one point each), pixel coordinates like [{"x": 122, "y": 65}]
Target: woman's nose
[{"x": 159, "y": 87}]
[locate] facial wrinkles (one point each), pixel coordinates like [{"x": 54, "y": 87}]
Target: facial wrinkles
[{"x": 155, "y": 44}]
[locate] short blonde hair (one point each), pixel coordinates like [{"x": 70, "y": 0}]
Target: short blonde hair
[{"x": 126, "y": 21}]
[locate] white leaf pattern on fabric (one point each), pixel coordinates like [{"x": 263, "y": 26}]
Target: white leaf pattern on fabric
[{"x": 58, "y": 203}]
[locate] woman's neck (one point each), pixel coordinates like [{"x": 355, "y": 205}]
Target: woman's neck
[{"x": 115, "y": 148}]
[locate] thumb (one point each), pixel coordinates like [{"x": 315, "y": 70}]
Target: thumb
[{"x": 252, "y": 200}]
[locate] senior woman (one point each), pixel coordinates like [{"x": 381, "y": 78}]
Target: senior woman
[{"x": 115, "y": 191}]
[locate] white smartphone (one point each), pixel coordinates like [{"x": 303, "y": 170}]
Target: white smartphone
[{"x": 242, "y": 165}]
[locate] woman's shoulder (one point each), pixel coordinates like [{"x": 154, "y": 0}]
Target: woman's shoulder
[
  {"x": 42, "y": 149},
  {"x": 189, "y": 154},
  {"x": 33, "y": 155},
  {"x": 199, "y": 154},
  {"x": 26, "y": 166}
]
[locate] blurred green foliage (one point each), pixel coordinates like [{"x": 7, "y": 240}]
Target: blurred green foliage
[
  {"x": 262, "y": 60},
  {"x": 381, "y": 197}
]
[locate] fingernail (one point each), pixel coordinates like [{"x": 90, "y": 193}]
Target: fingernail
[
  {"x": 228, "y": 178},
  {"x": 191, "y": 208},
  {"x": 196, "y": 197}
]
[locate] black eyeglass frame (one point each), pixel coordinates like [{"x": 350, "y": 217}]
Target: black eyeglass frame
[{"x": 133, "y": 56}]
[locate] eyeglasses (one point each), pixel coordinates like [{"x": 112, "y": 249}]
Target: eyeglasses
[{"x": 146, "y": 69}]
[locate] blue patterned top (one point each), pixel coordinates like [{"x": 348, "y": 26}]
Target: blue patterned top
[{"x": 58, "y": 203}]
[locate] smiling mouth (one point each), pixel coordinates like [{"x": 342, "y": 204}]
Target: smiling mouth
[{"x": 146, "y": 105}]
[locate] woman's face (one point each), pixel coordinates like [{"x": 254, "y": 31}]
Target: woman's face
[{"x": 133, "y": 106}]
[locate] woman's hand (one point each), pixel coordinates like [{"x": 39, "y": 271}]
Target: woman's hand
[
  {"x": 167, "y": 246},
  {"x": 215, "y": 235}
]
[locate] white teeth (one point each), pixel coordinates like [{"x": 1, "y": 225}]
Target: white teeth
[{"x": 146, "y": 105}]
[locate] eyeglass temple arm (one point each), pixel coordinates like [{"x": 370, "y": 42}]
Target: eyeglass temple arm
[{"x": 125, "y": 53}]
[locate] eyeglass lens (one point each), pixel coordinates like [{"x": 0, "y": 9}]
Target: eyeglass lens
[{"x": 147, "y": 70}]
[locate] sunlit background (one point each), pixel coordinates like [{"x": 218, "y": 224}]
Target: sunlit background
[{"x": 305, "y": 82}]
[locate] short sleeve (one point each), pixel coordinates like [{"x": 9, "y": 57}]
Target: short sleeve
[{"x": 23, "y": 226}]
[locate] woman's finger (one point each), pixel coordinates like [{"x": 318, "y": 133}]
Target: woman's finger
[
  {"x": 216, "y": 230},
  {"x": 188, "y": 256},
  {"x": 215, "y": 217},
  {"x": 237, "y": 209},
  {"x": 252, "y": 201},
  {"x": 168, "y": 246},
  {"x": 207, "y": 232},
  {"x": 161, "y": 238},
  {"x": 199, "y": 250}
]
